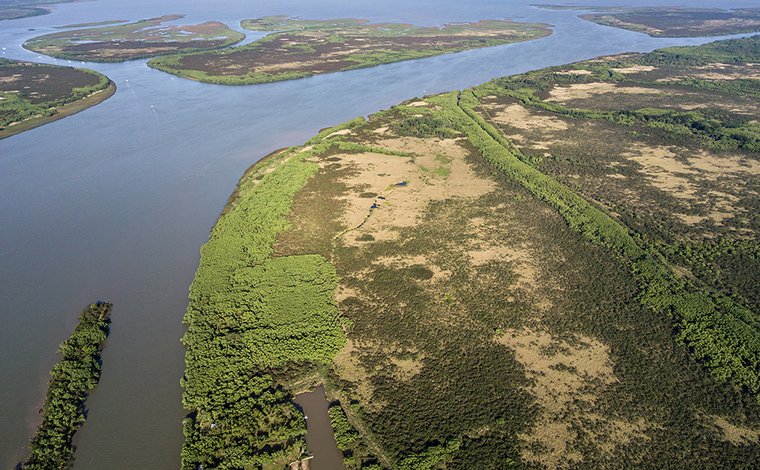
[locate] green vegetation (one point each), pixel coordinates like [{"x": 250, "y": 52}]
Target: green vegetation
[
  {"x": 679, "y": 22},
  {"x": 356, "y": 455},
  {"x": 481, "y": 267},
  {"x": 141, "y": 39},
  {"x": 299, "y": 48},
  {"x": 406, "y": 317},
  {"x": 71, "y": 379},
  {"x": 721, "y": 334},
  {"x": 719, "y": 329},
  {"x": 250, "y": 315},
  {"x": 14, "y": 13},
  {"x": 34, "y": 94},
  {"x": 716, "y": 131}
]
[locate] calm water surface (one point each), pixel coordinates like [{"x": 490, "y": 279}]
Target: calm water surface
[
  {"x": 113, "y": 203},
  {"x": 319, "y": 438}
]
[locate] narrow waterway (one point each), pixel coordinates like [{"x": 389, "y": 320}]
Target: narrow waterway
[
  {"x": 319, "y": 438},
  {"x": 113, "y": 203}
]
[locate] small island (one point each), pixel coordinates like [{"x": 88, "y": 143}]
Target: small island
[
  {"x": 33, "y": 94},
  {"x": 138, "y": 40},
  {"x": 71, "y": 380},
  {"x": 674, "y": 22},
  {"x": 300, "y": 48}
]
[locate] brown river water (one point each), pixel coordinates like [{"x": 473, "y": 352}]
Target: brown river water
[{"x": 319, "y": 437}]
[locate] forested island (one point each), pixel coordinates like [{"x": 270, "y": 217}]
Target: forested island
[
  {"x": 137, "y": 40},
  {"x": 554, "y": 269},
  {"x": 299, "y": 48},
  {"x": 33, "y": 94},
  {"x": 72, "y": 378}
]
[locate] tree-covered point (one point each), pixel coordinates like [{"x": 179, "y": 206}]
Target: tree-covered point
[
  {"x": 731, "y": 50},
  {"x": 71, "y": 379},
  {"x": 434, "y": 373}
]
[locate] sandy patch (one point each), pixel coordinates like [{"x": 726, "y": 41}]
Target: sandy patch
[
  {"x": 720, "y": 71},
  {"x": 665, "y": 170},
  {"x": 735, "y": 434},
  {"x": 11, "y": 78},
  {"x": 518, "y": 116},
  {"x": 726, "y": 76},
  {"x": 345, "y": 292},
  {"x": 522, "y": 261},
  {"x": 724, "y": 164},
  {"x": 349, "y": 368},
  {"x": 341, "y": 132},
  {"x": 562, "y": 373},
  {"x": 682, "y": 177},
  {"x": 634, "y": 69},
  {"x": 730, "y": 107},
  {"x": 407, "y": 367},
  {"x": 579, "y": 91},
  {"x": 406, "y": 188},
  {"x": 575, "y": 72}
]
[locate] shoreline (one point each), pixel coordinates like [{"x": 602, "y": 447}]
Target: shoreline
[{"x": 61, "y": 112}]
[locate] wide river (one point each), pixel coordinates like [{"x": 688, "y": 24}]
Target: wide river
[{"x": 114, "y": 202}]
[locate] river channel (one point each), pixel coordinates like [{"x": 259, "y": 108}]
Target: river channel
[{"x": 114, "y": 203}]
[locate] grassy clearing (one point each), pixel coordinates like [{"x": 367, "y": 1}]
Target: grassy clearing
[
  {"x": 71, "y": 379},
  {"x": 721, "y": 334}
]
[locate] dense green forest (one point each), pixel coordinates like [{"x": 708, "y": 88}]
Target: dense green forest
[
  {"x": 75, "y": 374},
  {"x": 250, "y": 315}
]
